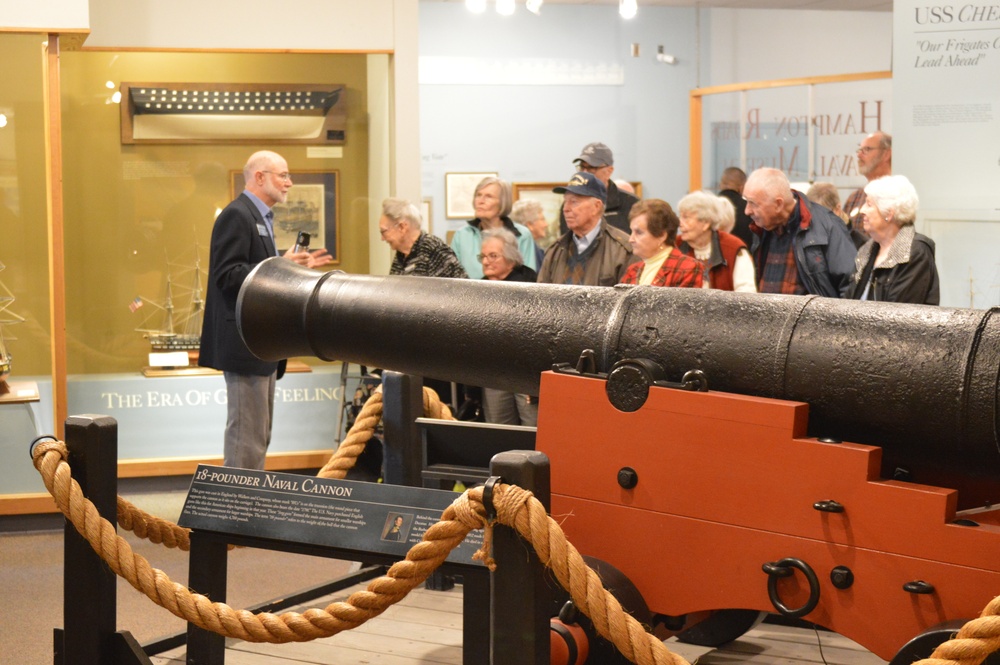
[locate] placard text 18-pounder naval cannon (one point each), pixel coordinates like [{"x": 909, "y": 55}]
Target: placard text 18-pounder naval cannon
[{"x": 842, "y": 467}]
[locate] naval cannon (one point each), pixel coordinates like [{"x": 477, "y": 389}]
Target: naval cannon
[{"x": 842, "y": 467}]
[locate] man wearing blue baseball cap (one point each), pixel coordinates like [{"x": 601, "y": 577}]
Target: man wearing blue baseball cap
[
  {"x": 591, "y": 252},
  {"x": 597, "y": 158}
]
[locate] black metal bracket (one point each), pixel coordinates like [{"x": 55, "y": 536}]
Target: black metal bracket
[{"x": 784, "y": 568}]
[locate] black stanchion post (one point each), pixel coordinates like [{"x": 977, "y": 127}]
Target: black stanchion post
[
  {"x": 89, "y": 586},
  {"x": 521, "y": 602},
  {"x": 207, "y": 570},
  {"x": 402, "y": 404}
]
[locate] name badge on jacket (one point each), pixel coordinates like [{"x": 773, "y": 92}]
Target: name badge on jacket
[{"x": 262, "y": 230}]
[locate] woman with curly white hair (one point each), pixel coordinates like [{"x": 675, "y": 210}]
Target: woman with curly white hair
[{"x": 897, "y": 263}]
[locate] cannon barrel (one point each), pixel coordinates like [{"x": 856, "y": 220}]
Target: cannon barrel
[{"x": 921, "y": 382}]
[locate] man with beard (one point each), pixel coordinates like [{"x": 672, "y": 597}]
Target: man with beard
[
  {"x": 874, "y": 161},
  {"x": 242, "y": 237}
]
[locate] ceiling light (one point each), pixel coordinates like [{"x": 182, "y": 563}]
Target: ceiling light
[
  {"x": 3, "y": 120},
  {"x": 476, "y": 6},
  {"x": 628, "y": 8},
  {"x": 505, "y": 7},
  {"x": 533, "y": 6}
]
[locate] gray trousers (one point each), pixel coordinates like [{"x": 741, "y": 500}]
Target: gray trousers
[
  {"x": 505, "y": 408},
  {"x": 249, "y": 413}
]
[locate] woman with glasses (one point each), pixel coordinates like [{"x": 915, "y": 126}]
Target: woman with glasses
[
  {"x": 501, "y": 258},
  {"x": 897, "y": 263},
  {"x": 502, "y": 261}
]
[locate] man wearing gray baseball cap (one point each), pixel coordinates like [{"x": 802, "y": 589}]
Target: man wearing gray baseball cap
[
  {"x": 590, "y": 252},
  {"x": 596, "y": 158}
]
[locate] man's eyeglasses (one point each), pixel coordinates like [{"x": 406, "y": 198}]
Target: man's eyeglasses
[
  {"x": 867, "y": 149},
  {"x": 492, "y": 257},
  {"x": 286, "y": 176}
]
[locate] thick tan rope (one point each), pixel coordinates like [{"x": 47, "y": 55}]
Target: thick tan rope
[
  {"x": 514, "y": 506},
  {"x": 976, "y": 640},
  {"x": 347, "y": 453}
]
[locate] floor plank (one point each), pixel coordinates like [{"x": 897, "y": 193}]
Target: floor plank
[{"x": 425, "y": 628}]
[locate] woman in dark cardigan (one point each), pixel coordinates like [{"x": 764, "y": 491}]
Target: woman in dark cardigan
[{"x": 897, "y": 263}]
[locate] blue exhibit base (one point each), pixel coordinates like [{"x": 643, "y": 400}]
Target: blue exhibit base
[{"x": 171, "y": 417}]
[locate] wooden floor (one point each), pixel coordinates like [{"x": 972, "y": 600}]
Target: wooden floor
[{"x": 426, "y": 627}]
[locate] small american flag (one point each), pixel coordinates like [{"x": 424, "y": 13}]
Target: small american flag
[{"x": 135, "y": 304}]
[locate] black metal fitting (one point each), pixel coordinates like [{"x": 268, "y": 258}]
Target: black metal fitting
[
  {"x": 44, "y": 437},
  {"x": 784, "y": 568},
  {"x": 627, "y": 477},
  {"x": 491, "y": 510},
  {"x": 918, "y": 587},
  {"x": 829, "y": 506},
  {"x": 842, "y": 577}
]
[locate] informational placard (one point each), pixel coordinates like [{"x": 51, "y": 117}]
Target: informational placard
[
  {"x": 946, "y": 87},
  {"x": 358, "y": 516},
  {"x": 946, "y": 137}
]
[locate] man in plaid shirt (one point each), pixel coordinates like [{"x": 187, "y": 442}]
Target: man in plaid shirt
[{"x": 799, "y": 247}]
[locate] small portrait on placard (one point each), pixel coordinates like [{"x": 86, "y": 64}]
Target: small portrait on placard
[{"x": 397, "y": 525}]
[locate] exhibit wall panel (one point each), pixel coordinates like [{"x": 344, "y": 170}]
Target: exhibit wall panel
[
  {"x": 947, "y": 138},
  {"x": 317, "y": 25},
  {"x": 808, "y": 130},
  {"x": 23, "y": 211},
  {"x": 50, "y": 16},
  {"x": 138, "y": 213}
]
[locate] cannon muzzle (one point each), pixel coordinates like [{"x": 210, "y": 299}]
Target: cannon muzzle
[{"x": 921, "y": 382}]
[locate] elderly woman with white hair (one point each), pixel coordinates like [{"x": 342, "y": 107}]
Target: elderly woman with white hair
[
  {"x": 704, "y": 234},
  {"x": 492, "y": 202},
  {"x": 502, "y": 261},
  {"x": 897, "y": 263}
]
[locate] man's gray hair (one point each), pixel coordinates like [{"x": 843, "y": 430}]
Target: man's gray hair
[
  {"x": 774, "y": 182},
  {"x": 261, "y": 160},
  {"x": 509, "y": 247},
  {"x": 401, "y": 210}
]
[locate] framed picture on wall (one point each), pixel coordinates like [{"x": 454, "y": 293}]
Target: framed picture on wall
[
  {"x": 312, "y": 206},
  {"x": 425, "y": 213},
  {"x": 458, "y": 191},
  {"x": 550, "y": 201}
]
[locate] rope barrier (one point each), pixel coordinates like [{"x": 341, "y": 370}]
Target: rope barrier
[
  {"x": 973, "y": 643},
  {"x": 514, "y": 507}
]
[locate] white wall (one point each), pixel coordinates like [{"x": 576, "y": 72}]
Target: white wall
[
  {"x": 759, "y": 44},
  {"x": 324, "y": 25},
  {"x": 531, "y": 133},
  {"x": 595, "y": 91},
  {"x": 48, "y": 16}
]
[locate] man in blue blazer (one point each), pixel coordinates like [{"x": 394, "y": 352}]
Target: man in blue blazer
[{"x": 242, "y": 237}]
